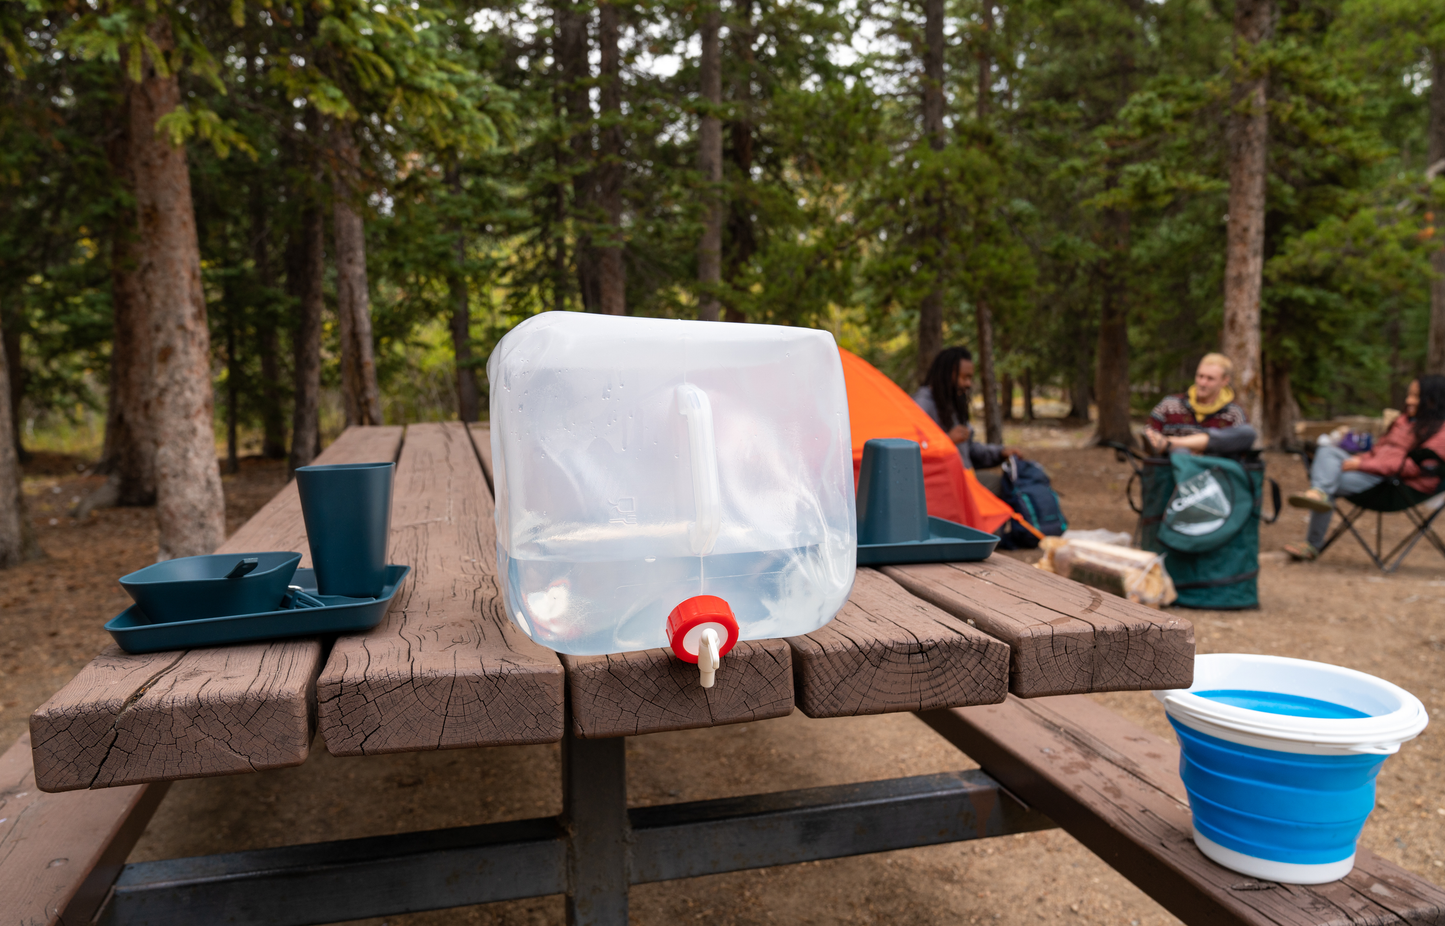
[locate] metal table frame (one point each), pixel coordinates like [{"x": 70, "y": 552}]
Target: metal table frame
[{"x": 592, "y": 853}]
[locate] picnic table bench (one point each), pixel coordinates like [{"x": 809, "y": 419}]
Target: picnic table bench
[{"x": 963, "y": 645}]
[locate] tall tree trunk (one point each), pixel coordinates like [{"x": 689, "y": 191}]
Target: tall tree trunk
[
  {"x": 461, "y": 312},
  {"x": 1111, "y": 360},
  {"x": 742, "y": 242},
  {"x": 1081, "y": 389},
  {"x": 1435, "y": 351},
  {"x": 129, "y": 452},
  {"x": 611, "y": 269},
  {"x": 1028, "y": 391},
  {"x": 233, "y": 393},
  {"x": 305, "y": 269},
  {"x": 930, "y": 310},
  {"x": 709, "y": 164},
  {"x": 1248, "y": 150},
  {"x": 273, "y": 419},
  {"x": 1281, "y": 411},
  {"x": 353, "y": 295},
  {"x": 17, "y": 535},
  {"x": 983, "y": 311},
  {"x": 15, "y": 385},
  {"x": 1111, "y": 378},
  {"x": 572, "y": 59},
  {"x": 1006, "y": 396},
  {"x": 189, "y": 505}
]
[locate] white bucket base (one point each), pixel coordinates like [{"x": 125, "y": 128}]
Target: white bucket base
[{"x": 1265, "y": 870}]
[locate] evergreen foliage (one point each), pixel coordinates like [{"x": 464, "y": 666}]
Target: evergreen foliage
[{"x": 1086, "y": 174}]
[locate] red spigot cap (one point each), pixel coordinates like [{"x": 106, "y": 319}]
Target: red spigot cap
[{"x": 688, "y": 620}]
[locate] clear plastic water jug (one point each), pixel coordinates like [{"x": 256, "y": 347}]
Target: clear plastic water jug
[{"x": 654, "y": 474}]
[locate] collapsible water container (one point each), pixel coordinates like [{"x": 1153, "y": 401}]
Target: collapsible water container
[
  {"x": 1279, "y": 757},
  {"x": 663, "y": 482}
]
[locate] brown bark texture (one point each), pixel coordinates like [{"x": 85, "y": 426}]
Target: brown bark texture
[
  {"x": 1435, "y": 347},
  {"x": 304, "y": 276},
  {"x": 1248, "y": 140},
  {"x": 992, "y": 416},
  {"x": 983, "y": 312},
  {"x": 10, "y": 343},
  {"x": 1281, "y": 411},
  {"x": 572, "y": 59},
  {"x": 353, "y": 295},
  {"x": 709, "y": 164},
  {"x": 1111, "y": 376},
  {"x": 611, "y": 268},
  {"x": 129, "y": 452},
  {"x": 17, "y": 535},
  {"x": 930, "y": 310},
  {"x": 1028, "y": 390},
  {"x": 273, "y": 419},
  {"x": 742, "y": 242},
  {"x": 190, "y": 508},
  {"x": 461, "y": 322},
  {"x": 1111, "y": 358},
  {"x": 1006, "y": 396}
]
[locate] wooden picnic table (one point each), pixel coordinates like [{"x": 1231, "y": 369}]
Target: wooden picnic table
[{"x": 447, "y": 669}]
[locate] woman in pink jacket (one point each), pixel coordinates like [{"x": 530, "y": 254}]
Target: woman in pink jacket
[{"x": 1335, "y": 472}]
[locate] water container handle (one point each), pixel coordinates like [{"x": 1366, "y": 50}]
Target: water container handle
[{"x": 702, "y": 452}]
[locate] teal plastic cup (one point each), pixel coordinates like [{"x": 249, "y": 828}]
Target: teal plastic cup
[{"x": 347, "y": 509}]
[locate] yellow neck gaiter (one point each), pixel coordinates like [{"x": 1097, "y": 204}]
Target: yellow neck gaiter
[{"x": 1201, "y": 411}]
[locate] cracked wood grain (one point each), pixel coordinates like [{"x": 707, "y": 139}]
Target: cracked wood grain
[
  {"x": 1064, "y": 637},
  {"x": 887, "y": 651},
  {"x": 446, "y": 668},
  {"x": 651, "y": 691},
  {"x": 128, "y": 719},
  {"x": 1115, "y": 787},
  {"x": 59, "y": 853}
]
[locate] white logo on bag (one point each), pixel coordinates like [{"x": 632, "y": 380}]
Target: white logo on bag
[{"x": 1200, "y": 506}]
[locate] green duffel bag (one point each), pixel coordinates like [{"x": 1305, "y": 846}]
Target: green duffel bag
[{"x": 1203, "y": 514}]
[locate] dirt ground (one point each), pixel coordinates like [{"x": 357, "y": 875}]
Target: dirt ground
[{"x": 1340, "y": 610}]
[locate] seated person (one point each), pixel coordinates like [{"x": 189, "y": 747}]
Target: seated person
[
  {"x": 945, "y": 398},
  {"x": 1206, "y": 419},
  {"x": 1335, "y": 472}
]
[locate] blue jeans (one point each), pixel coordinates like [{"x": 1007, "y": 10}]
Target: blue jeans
[{"x": 1327, "y": 475}]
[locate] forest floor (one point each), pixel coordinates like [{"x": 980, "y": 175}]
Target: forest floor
[{"x": 1340, "y": 611}]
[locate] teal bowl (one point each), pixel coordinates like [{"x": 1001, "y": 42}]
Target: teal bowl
[{"x": 194, "y": 587}]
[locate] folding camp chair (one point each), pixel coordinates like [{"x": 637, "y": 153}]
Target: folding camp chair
[{"x": 1388, "y": 497}]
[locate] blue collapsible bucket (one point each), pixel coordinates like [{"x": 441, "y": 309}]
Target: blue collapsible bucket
[{"x": 1279, "y": 757}]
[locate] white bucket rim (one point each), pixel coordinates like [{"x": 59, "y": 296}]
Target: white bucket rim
[{"x": 1379, "y": 734}]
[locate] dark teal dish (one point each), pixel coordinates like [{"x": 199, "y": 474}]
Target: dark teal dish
[
  {"x": 894, "y": 526},
  {"x": 948, "y": 542},
  {"x": 196, "y": 586},
  {"x": 135, "y": 634}
]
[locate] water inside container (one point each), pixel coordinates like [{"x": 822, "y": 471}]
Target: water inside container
[
  {"x": 581, "y": 606},
  {"x": 1274, "y": 702}
]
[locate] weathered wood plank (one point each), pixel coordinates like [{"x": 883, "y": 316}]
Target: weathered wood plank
[
  {"x": 191, "y": 713},
  {"x": 1065, "y": 638},
  {"x": 59, "y": 853},
  {"x": 1115, "y": 787},
  {"x": 651, "y": 691},
  {"x": 446, "y": 668},
  {"x": 887, "y": 651}
]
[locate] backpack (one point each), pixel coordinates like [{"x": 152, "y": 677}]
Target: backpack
[{"x": 1027, "y": 490}]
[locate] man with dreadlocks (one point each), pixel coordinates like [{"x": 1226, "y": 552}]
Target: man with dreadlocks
[{"x": 945, "y": 398}]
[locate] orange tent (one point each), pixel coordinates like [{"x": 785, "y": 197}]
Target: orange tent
[{"x": 878, "y": 408}]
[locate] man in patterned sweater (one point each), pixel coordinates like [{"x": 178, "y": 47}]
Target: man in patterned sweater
[{"x": 1206, "y": 419}]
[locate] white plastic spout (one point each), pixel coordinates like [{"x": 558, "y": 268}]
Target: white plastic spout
[{"x": 709, "y": 660}]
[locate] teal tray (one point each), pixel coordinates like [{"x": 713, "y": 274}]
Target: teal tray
[
  {"x": 136, "y": 633},
  {"x": 947, "y": 542}
]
